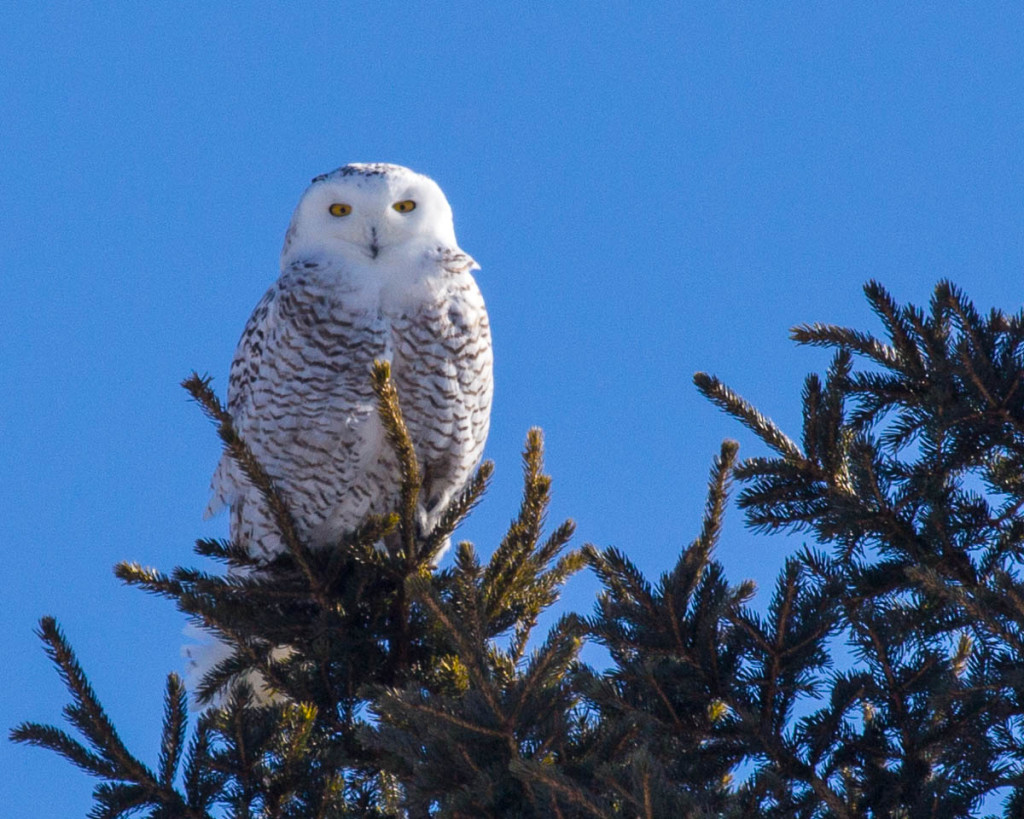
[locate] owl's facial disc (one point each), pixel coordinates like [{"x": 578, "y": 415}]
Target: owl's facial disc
[{"x": 375, "y": 216}]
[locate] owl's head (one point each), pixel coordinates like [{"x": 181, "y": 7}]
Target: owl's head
[{"x": 370, "y": 213}]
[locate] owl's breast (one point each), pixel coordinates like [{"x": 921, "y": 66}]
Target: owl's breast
[
  {"x": 301, "y": 392},
  {"x": 442, "y": 365}
]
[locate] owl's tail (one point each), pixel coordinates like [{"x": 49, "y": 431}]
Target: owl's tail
[
  {"x": 206, "y": 652},
  {"x": 223, "y": 487}
]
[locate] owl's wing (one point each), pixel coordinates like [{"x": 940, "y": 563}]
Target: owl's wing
[
  {"x": 301, "y": 397},
  {"x": 258, "y": 336}
]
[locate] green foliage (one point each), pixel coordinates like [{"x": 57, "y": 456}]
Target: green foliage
[
  {"x": 911, "y": 472},
  {"x": 129, "y": 785},
  {"x": 666, "y": 738},
  {"x": 882, "y": 678},
  {"x": 482, "y": 738},
  {"x": 332, "y": 634}
]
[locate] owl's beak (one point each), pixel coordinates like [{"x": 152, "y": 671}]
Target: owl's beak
[{"x": 374, "y": 247}]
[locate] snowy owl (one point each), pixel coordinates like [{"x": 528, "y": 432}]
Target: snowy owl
[{"x": 370, "y": 270}]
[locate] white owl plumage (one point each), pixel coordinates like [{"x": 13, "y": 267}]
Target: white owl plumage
[
  {"x": 385, "y": 280},
  {"x": 370, "y": 270}
]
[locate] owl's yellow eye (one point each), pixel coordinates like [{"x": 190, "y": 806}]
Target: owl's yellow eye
[
  {"x": 404, "y": 206},
  {"x": 340, "y": 209}
]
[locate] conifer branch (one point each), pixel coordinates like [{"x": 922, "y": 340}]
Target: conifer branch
[
  {"x": 714, "y": 509},
  {"x": 360, "y": 546},
  {"x": 621, "y": 578},
  {"x": 201, "y": 780},
  {"x": 150, "y": 580},
  {"x": 547, "y": 666},
  {"x": 454, "y": 719},
  {"x": 130, "y": 784},
  {"x": 46, "y": 736},
  {"x": 172, "y": 740},
  {"x": 227, "y": 552},
  {"x": 390, "y": 413},
  {"x": 715, "y": 391},
  {"x": 86, "y": 713},
  {"x": 239, "y": 451},
  {"x": 518, "y": 563},
  {"x": 829, "y": 335},
  {"x": 899, "y": 330},
  {"x": 531, "y": 770},
  {"x": 471, "y": 652},
  {"x": 457, "y": 510}
]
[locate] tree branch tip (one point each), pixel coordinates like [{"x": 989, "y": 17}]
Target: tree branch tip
[
  {"x": 48, "y": 625},
  {"x": 129, "y": 571},
  {"x": 194, "y": 379},
  {"x": 591, "y": 553},
  {"x": 703, "y": 380},
  {"x": 535, "y": 438}
]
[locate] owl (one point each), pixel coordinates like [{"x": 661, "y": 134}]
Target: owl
[{"x": 370, "y": 270}]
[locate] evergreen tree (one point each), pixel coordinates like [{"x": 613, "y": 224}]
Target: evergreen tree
[
  {"x": 883, "y": 679},
  {"x": 911, "y": 473},
  {"x": 359, "y": 624}
]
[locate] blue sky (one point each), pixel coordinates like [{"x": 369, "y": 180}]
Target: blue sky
[{"x": 651, "y": 189}]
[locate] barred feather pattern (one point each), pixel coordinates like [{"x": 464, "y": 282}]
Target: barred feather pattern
[{"x": 300, "y": 395}]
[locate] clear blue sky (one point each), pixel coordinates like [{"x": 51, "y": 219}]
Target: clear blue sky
[{"x": 651, "y": 190}]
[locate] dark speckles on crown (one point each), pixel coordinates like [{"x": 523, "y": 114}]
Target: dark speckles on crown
[{"x": 366, "y": 169}]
